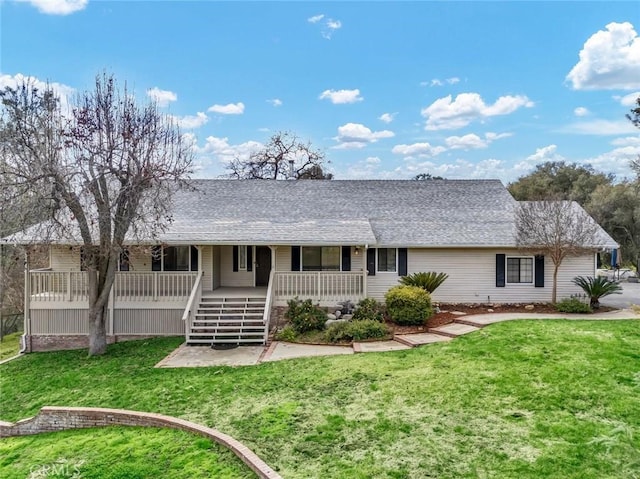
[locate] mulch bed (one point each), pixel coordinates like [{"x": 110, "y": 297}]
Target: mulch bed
[{"x": 446, "y": 315}]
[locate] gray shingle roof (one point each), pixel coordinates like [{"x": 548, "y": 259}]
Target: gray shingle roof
[
  {"x": 374, "y": 212},
  {"x": 392, "y": 213}
]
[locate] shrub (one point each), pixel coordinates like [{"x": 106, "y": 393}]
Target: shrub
[
  {"x": 305, "y": 316},
  {"x": 597, "y": 288},
  {"x": 427, "y": 281},
  {"x": 408, "y": 305},
  {"x": 368, "y": 309},
  {"x": 287, "y": 334},
  {"x": 356, "y": 331},
  {"x": 572, "y": 305}
]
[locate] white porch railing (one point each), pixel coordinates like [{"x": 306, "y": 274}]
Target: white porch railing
[
  {"x": 153, "y": 286},
  {"x": 59, "y": 286},
  {"x": 320, "y": 286},
  {"x": 192, "y": 303}
]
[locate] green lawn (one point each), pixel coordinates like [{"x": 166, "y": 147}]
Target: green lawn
[
  {"x": 10, "y": 345},
  {"x": 130, "y": 453},
  {"x": 523, "y": 399}
]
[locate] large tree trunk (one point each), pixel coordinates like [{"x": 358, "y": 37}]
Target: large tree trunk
[
  {"x": 97, "y": 331},
  {"x": 555, "y": 283}
]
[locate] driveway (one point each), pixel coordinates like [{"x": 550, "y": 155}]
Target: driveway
[{"x": 630, "y": 295}]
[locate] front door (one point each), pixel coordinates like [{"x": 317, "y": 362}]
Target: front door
[{"x": 263, "y": 265}]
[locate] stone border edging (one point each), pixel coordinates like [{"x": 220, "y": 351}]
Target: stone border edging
[{"x": 51, "y": 419}]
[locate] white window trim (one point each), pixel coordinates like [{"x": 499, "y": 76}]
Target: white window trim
[
  {"x": 302, "y": 270},
  {"x": 395, "y": 271},
  {"x": 520, "y": 283},
  {"x": 242, "y": 267}
]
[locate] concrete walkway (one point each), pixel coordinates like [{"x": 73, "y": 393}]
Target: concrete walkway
[{"x": 204, "y": 356}]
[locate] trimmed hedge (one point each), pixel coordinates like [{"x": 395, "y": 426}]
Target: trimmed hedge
[
  {"x": 572, "y": 305},
  {"x": 368, "y": 309},
  {"x": 408, "y": 305}
]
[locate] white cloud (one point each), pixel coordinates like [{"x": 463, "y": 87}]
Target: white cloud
[
  {"x": 628, "y": 100},
  {"x": 446, "y": 113},
  {"x": 328, "y": 26},
  {"x": 438, "y": 82},
  {"x": 190, "y": 122},
  {"x": 216, "y": 152},
  {"x": 581, "y": 111},
  {"x": 63, "y": 92},
  {"x": 387, "y": 117},
  {"x": 162, "y": 97},
  {"x": 599, "y": 127},
  {"x": 356, "y": 135},
  {"x": 608, "y": 60},
  {"x": 338, "y": 97},
  {"x": 275, "y": 102},
  {"x": 627, "y": 141},
  {"x": 57, "y": 7},
  {"x": 363, "y": 169},
  {"x": 230, "y": 109},
  {"x": 617, "y": 160},
  {"x": 419, "y": 150}
]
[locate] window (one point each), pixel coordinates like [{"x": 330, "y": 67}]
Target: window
[
  {"x": 123, "y": 263},
  {"x": 520, "y": 270},
  {"x": 321, "y": 258},
  {"x": 387, "y": 260},
  {"x": 242, "y": 257},
  {"x": 174, "y": 258}
]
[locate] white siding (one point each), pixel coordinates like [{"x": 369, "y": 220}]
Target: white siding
[
  {"x": 64, "y": 258},
  {"x": 161, "y": 322},
  {"x": 472, "y": 276},
  {"x": 59, "y": 321},
  {"x": 67, "y": 258},
  {"x": 228, "y": 277},
  {"x": 206, "y": 258}
]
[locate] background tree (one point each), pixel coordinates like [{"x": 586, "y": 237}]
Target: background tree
[
  {"x": 104, "y": 171},
  {"x": 426, "y": 176},
  {"x": 556, "y": 179},
  {"x": 273, "y": 162},
  {"x": 556, "y": 229}
]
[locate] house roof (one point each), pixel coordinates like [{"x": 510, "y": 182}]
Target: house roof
[
  {"x": 373, "y": 212},
  {"x": 385, "y": 213}
]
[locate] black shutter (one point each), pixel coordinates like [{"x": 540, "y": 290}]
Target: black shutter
[
  {"x": 346, "y": 258},
  {"x": 371, "y": 262},
  {"x": 194, "y": 258},
  {"x": 249, "y": 258},
  {"x": 500, "y": 276},
  {"x": 295, "y": 258},
  {"x": 156, "y": 258},
  {"x": 235, "y": 258},
  {"x": 539, "y": 269},
  {"x": 402, "y": 261}
]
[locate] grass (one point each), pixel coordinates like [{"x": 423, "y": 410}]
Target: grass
[
  {"x": 523, "y": 399},
  {"x": 10, "y": 345},
  {"x": 130, "y": 453}
]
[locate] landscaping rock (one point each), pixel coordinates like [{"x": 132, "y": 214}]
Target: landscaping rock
[
  {"x": 529, "y": 307},
  {"x": 489, "y": 310},
  {"x": 331, "y": 316},
  {"x": 458, "y": 313},
  {"x": 346, "y": 317}
]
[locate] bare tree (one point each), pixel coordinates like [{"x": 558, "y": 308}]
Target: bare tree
[
  {"x": 284, "y": 156},
  {"x": 557, "y": 229},
  {"x": 102, "y": 172}
]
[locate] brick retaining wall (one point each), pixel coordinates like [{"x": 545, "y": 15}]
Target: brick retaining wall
[{"x": 51, "y": 419}]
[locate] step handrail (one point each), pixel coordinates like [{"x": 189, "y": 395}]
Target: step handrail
[
  {"x": 267, "y": 306},
  {"x": 192, "y": 296}
]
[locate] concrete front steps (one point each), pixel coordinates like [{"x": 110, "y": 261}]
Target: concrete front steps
[{"x": 228, "y": 320}]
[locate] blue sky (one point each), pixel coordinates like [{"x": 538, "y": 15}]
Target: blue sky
[{"x": 387, "y": 90}]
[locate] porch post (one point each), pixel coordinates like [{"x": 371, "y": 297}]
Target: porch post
[
  {"x": 364, "y": 271},
  {"x": 69, "y": 294},
  {"x": 27, "y": 295}
]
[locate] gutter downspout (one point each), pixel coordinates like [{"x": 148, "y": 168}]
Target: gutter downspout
[{"x": 27, "y": 311}]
